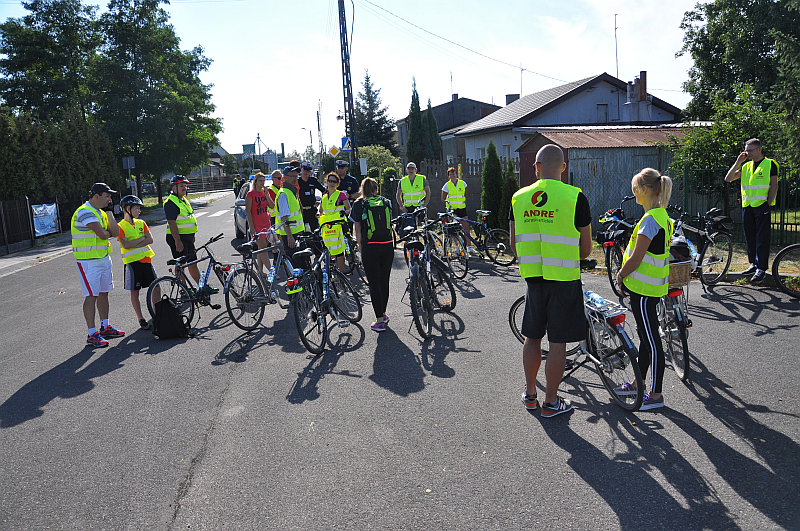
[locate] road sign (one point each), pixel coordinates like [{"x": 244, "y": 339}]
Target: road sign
[
  {"x": 128, "y": 163},
  {"x": 334, "y": 151},
  {"x": 347, "y": 144}
]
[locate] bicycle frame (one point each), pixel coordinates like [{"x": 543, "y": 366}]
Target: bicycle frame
[
  {"x": 181, "y": 277},
  {"x": 479, "y": 244}
]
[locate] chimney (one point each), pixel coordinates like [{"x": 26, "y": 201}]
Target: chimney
[
  {"x": 643, "y": 85},
  {"x": 455, "y": 97},
  {"x": 511, "y": 98}
]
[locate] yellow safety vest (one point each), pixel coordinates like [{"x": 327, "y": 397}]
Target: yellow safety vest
[
  {"x": 295, "y": 212},
  {"x": 755, "y": 184},
  {"x": 187, "y": 224},
  {"x": 651, "y": 278},
  {"x": 332, "y": 235},
  {"x": 133, "y": 232},
  {"x": 457, "y": 194},
  {"x": 548, "y": 244},
  {"x": 86, "y": 245},
  {"x": 413, "y": 193},
  {"x": 273, "y": 212}
]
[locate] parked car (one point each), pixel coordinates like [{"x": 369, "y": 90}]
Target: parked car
[
  {"x": 148, "y": 188},
  {"x": 239, "y": 214}
]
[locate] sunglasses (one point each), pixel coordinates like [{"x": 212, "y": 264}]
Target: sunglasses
[{"x": 333, "y": 181}]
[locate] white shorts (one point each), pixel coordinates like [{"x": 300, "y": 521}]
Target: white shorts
[{"x": 96, "y": 276}]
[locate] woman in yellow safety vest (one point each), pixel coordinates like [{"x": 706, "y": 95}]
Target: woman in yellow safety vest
[
  {"x": 334, "y": 205},
  {"x": 645, "y": 276}
]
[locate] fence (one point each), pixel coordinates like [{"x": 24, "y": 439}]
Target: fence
[
  {"x": 436, "y": 173},
  {"x": 701, "y": 189},
  {"x": 16, "y": 219}
]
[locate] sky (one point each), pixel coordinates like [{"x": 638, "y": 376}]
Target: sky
[{"x": 276, "y": 64}]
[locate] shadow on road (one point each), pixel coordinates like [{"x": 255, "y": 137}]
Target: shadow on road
[
  {"x": 71, "y": 378},
  {"x": 747, "y": 304},
  {"x": 396, "y": 367}
]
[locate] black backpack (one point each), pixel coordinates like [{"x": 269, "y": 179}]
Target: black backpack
[
  {"x": 169, "y": 322},
  {"x": 377, "y": 215}
]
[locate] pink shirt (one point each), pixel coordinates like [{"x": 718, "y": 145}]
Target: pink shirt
[{"x": 259, "y": 210}]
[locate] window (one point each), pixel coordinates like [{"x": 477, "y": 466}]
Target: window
[
  {"x": 507, "y": 151},
  {"x": 480, "y": 153}
]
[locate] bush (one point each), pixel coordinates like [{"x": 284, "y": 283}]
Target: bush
[{"x": 389, "y": 174}]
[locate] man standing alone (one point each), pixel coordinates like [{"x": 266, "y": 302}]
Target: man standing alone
[
  {"x": 91, "y": 230},
  {"x": 550, "y": 226},
  {"x": 759, "y": 177}
]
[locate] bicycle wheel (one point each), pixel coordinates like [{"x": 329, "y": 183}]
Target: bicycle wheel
[
  {"x": 442, "y": 292},
  {"x": 421, "y": 310},
  {"x": 243, "y": 288},
  {"x": 456, "y": 254},
  {"x": 613, "y": 265},
  {"x": 175, "y": 291},
  {"x": 786, "y": 270},
  {"x": 676, "y": 335},
  {"x": 308, "y": 317},
  {"x": 498, "y": 247},
  {"x": 344, "y": 297},
  {"x": 618, "y": 365},
  {"x": 436, "y": 245},
  {"x": 515, "y": 318},
  {"x": 715, "y": 258}
]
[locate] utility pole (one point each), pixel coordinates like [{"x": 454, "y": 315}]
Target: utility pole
[
  {"x": 319, "y": 131},
  {"x": 347, "y": 85}
]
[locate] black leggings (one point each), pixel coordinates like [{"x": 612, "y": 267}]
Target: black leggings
[
  {"x": 377, "y": 259},
  {"x": 651, "y": 351}
]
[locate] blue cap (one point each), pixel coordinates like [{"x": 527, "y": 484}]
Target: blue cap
[
  {"x": 288, "y": 169},
  {"x": 342, "y": 164}
]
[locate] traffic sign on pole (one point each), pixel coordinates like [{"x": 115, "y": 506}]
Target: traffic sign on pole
[{"x": 347, "y": 144}]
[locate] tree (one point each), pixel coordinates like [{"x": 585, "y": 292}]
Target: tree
[
  {"x": 788, "y": 89},
  {"x": 510, "y": 187},
  {"x": 45, "y": 57},
  {"x": 733, "y": 42},
  {"x": 388, "y": 175},
  {"x": 434, "y": 140},
  {"x": 373, "y": 126},
  {"x": 492, "y": 186},
  {"x": 378, "y": 157},
  {"x": 150, "y": 99},
  {"x": 229, "y": 164},
  {"x": 417, "y": 135}
]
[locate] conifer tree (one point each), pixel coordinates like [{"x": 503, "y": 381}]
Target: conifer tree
[
  {"x": 433, "y": 134},
  {"x": 492, "y": 186},
  {"x": 415, "y": 146}
]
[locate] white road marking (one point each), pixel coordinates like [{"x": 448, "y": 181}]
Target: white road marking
[{"x": 220, "y": 213}]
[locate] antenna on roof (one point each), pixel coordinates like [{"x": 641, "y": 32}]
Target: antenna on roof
[{"x": 616, "y": 53}]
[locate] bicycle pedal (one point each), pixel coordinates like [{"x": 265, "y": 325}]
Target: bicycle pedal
[
  {"x": 344, "y": 324},
  {"x": 215, "y": 306},
  {"x": 688, "y": 323}
]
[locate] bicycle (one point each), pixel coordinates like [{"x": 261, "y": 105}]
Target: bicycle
[
  {"x": 607, "y": 345},
  {"x": 711, "y": 258},
  {"x": 404, "y": 224},
  {"x": 615, "y": 238},
  {"x": 496, "y": 243},
  {"x": 673, "y": 318},
  {"x": 179, "y": 288},
  {"x": 246, "y": 293},
  {"x": 319, "y": 291},
  {"x": 429, "y": 286},
  {"x": 786, "y": 270},
  {"x": 352, "y": 258}
]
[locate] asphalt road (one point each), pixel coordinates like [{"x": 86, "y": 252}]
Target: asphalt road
[{"x": 383, "y": 431}]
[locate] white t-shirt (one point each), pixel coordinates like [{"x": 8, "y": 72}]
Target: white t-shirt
[{"x": 446, "y": 188}]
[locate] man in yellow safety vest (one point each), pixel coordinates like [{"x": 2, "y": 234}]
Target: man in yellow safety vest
[
  {"x": 92, "y": 229},
  {"x": 550, "y": 226},
  {"x": 413, "y": 189},
  {"x": 759, "y": 177}
]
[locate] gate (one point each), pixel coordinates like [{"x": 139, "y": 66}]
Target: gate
[{"x": 17, "y": 226}]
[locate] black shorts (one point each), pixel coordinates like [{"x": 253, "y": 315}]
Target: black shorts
[
  {"x": 188, "y": 246},
  {"x": 138, "y": 275},
  {"x": 461, "y": 212},
  {"x": 555, "y": 308}
]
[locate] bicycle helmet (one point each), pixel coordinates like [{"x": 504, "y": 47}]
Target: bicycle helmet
[
  {"x": 178, "y": 179},
  {"x": 130, "y": 200}
]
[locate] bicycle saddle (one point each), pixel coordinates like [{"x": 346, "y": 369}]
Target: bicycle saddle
[
  {"x": 178, "y": 261},
  {"x": 302, "y": 255},
  {"x": 484, "y": 212}
]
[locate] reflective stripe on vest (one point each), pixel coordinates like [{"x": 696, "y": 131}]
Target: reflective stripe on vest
[
  {"x": 414, "y": 193},
  {"x": 333, "y": 237},
  {"x": 651, "y": 277},
  {"x": 330, "y": 209},
  {"x": 137, "y": 253},
  {"x": 187, "y": 224},
  {"x": 547, "y": 242},
  {"x": 457, "y": 194},
  {"x": 86, "y": 245},
  {"x": 295, "y": 212},
  {"x": 755, "y": 182}
]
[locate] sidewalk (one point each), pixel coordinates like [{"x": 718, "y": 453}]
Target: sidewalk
[{"x": 55, "y": 245}]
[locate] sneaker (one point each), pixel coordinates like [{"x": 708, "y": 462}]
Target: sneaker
[
  {"x": 143, "y": 324},
  {"x": 759, "y": 276},
  {"x": 472, "y": 252},
  {"x": 211, "y": 290},
  {"x": 96, "y": 340},
  {"x": 109, "y": 332},
  {"x": 750, "y": 270},
  {"x": 626, "y": 389},
  {"x": 379, "y": 326},
  {"x": 385, "y": 319},
  {"x": 556, "y": 408},
  {"x": 651, "y": 403},
  {"x": 531, "y": 401}
]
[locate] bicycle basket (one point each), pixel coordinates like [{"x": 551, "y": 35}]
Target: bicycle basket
[
  {"x": 679, "y": 274},
  {"x": 452, "y": 228}
]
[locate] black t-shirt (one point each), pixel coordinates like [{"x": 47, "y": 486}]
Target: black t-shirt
[
  {"x": 583, "y": 218},
  {"x": 350, "y": 185},
  {"x": 307, "y": 196},
  {"x": 171, "y": 210},
  {"x": 357, "y": 211}
]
